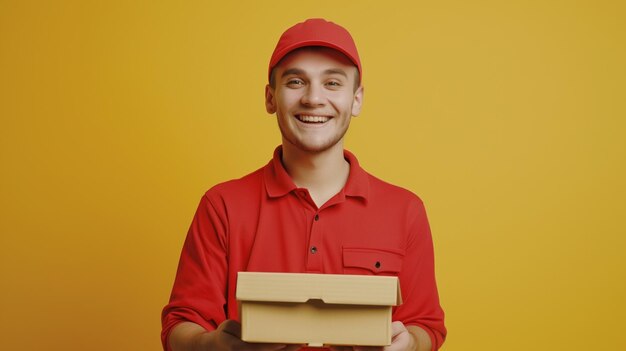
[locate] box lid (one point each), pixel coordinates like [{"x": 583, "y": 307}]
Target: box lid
[{"x": 330, "y": 288}]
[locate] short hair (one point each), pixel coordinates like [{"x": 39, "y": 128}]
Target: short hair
[{"x": 357, "y": 76}]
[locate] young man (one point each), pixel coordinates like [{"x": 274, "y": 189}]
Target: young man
[{"x": 311, "y": 209}]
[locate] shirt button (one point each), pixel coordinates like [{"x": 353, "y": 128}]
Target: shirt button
[
  {"x": 377, "y": 264},
  {"x": 317, "y": 217},
  {"x": 313, "y": 249}
]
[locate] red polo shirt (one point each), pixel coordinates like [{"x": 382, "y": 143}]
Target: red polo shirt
[{"x": 264, "y": 223}]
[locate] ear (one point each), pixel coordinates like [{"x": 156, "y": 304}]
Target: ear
[
  {"x": 270, "y": 101},
  {"x": 357, "y": 101}
]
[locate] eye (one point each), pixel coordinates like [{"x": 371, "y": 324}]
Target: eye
[
  {"x": 295, "y": 82},
  {"x": 334, "y": 84}
]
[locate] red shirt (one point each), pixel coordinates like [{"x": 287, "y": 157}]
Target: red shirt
[{"x": 264, "y": 223}]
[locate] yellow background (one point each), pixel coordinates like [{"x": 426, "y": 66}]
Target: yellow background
[{"x": 506, "y": 117}]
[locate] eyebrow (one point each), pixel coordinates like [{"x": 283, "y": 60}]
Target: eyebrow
[
  {"x": 336, "y": 71},
  {"x": 295, "y": 71},
  {"x": 298, "y": 71}
]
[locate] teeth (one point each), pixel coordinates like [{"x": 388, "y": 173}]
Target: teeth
[{"x": 313, "y": 119}]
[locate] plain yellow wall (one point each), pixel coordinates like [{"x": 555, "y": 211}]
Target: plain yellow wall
[{"x": 506, "y": 117}]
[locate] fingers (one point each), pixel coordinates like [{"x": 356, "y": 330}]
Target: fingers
[
  {"x": 401, "y": 339},
  {"x": 230, "y": 331},
  {"x": 397, "y": 328},
  {"x": 231, "y": 327}
]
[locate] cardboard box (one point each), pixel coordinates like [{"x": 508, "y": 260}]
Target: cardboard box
[{"x": 317, "y": 309}]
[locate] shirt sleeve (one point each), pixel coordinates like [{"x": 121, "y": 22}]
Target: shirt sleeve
[
  {"x": 199, "y": 291},
  {"x": 420, "y": 305}
]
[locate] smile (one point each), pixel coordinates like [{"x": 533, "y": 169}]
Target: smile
[{"x": 312, "y": 119}]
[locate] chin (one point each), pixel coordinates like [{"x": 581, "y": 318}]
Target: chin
[{"x": 316, "y": 147}]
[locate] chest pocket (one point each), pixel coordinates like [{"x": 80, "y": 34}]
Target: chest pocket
[{"x": 372, "y": 261}]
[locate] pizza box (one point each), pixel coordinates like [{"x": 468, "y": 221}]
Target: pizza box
[{"x": 317, "y": 309}]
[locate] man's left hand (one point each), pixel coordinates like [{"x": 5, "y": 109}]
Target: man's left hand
[{"x": 401, "y": 340}]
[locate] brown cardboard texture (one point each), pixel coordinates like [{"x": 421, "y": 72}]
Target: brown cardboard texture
[{"x": 317, "y": 309}]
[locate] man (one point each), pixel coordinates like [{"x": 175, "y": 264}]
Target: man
[{"x": 312, "y": 209}]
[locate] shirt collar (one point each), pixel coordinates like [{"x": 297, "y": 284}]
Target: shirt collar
[{"x": 278, "y": 182}]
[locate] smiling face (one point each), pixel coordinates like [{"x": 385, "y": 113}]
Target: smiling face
[{"x": 314, "y": 98}]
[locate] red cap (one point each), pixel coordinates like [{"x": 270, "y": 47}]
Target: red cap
[{"x": 315, "y": 32}]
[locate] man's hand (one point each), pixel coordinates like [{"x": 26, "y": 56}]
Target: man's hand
[
  {"x": 227, "y": 337},
  {"x": 403, "y": 338}
]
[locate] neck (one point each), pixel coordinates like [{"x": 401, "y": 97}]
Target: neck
[{"x": 323, "y": 174}]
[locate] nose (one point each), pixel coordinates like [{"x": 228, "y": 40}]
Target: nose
[{"x": 313, "y": 96}]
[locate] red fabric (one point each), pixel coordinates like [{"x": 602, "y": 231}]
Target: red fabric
[
  {"x": 264, "y": 223},
  {"x": 315, "y": 32}
]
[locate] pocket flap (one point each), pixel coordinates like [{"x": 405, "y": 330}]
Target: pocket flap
[{"x": 374, "y": 260}]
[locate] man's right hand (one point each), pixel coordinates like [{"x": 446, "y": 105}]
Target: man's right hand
[{"x": 189, "y": 336}]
